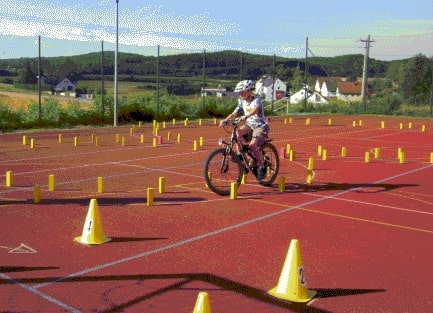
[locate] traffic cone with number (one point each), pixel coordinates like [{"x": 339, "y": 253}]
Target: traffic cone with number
[
  {"x": 92, "y": 231},
  {"x": 202, "y": 304},
  {"x": 292, "y": 285}
]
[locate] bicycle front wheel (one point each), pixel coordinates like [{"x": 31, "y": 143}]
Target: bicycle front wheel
[{"x": 220, "y": 170}]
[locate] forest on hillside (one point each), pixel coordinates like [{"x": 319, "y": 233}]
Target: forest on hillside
[{"x": 410, "y": 78}]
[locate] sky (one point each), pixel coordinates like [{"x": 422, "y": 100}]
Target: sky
[{"x": 397, "y": 29}]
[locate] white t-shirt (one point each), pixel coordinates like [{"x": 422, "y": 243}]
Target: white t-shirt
[{"x": 247, "y": 108}]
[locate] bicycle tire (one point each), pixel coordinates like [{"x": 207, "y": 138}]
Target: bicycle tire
[
  {"x": 271, "y": 162},
  {"x": 222, "y": 169}
]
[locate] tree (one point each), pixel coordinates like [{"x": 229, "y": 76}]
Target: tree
[
  {"x": 27, "y": 76},
  {"x": 417, "y": 80}
]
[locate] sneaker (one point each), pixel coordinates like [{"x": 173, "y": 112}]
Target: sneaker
[{"x": 261, "y": 172}]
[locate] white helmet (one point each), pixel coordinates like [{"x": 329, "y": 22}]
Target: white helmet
[{"x": 244, "y": 85}]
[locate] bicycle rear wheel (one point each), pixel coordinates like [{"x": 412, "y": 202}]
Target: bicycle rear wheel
[
  {"x": 271, "y": 162},
  {"x": 220, "y": 170}
]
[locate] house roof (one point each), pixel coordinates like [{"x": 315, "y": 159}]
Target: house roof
[{"x": 350, "y": 87}]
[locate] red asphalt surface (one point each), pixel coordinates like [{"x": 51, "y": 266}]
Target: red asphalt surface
[{"x": 365, "y": 229}]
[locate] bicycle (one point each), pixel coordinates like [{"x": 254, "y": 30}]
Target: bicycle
[{"x": 226, "y": 165}]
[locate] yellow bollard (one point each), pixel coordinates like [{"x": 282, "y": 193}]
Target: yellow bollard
[
  {"x": 174, "y": 121},
  {"x": 123, "y": 141},
  {"x": 60, "y": 138},
  {"x": 311, "y": 163},
  {"x": 376, "y": 153},
  {"x": 32, "y": 143},
  {"x": 288, "y": 149},
  {"x": 96, "y": 141},
  {"x": 354, "y": 123},
  {"x": 195, "y": 145},
  {"x": 309, "y": 178},
  {"x": 199, "y": 122},
  {"x": 51, "y": 182},
  {"x": 329, "y": 121},
  {"x": 154, "y": 141},
  {"x": 75, "y": 141},
  {"x": 324, "y": 154},
  {"x": 37, "y": 194},
  {"x": 150, "y": 199},
  {"x": 343, "y": 152},
  {"x": 142, "y": 138},
  {"x": 285, "y": 121},
  {"x": 92, "y": 138},
  {"x": 131, "y": 131},
  {"x": 319, "y": 150},
  {"x": 402, "y": 158},
  {"x": 161, "y": 185},
  {"x": 360, "y": 122},
  {"x": 367, "y": 157},
  {"x": 179, "y": 138},
  {"x": 9, "y": 179},
  {"x": 282, "y": 184},
  {"x": 401, "y": 125},
  {"x": 244, "y": 179},
  {"x": 423, "y": 128},
  {"x": 307, "y": 121},
  {"x": 117, "y": 138},
  {"x": 100, "y": 184},
  {"x": 431, "y": 157},
  {"x": 409, "y": 125},
  {"x": 24, "y": 140},
  {"x": 201, "y": 141},
  {"x": 163, "y": 125},
  {"x": 382, "y": 124},
  {"x": 233, "y": 191},
  {"x": 140, "y": 123},
  {"x": 292, "y": 155}
]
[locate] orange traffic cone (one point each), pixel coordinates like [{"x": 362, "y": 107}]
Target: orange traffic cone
[
  {"x": 203, "y": 304},
  {"x": 292, "y": 285},
  {"x": 92, "y": 230}
]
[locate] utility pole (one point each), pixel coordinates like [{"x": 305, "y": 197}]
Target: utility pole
[
  {"x": 116, "y": 52},
  {"x": 364, "y": 72},
  {"x": 273, "y": 83},
  {"x": 39, "y": 79},
  {"x": 203, "y": 96},
  {"x": 306, "y": 73},
  {"x": 158, "y": 82},
  {"x": 102, "y": 81}
]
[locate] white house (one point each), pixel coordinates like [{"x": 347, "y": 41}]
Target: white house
[
  {"x": 312, "y": 96},
  {"x": 65, "y": 85},
  {"x": 269, "y": 89}
]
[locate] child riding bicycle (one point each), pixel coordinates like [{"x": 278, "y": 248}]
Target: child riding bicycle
[{"x": 255, "y": 132}]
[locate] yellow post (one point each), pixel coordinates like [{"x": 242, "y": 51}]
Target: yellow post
[
  {"x": 423, "y": 128},
  {"x": 282, "y": 184},
  {"x": 51, "y": 182},
  {"x": 376, "y": 153},
  {"x": 343, "y": 152},
  {"x": 32, "y": 143},
  {"x": 174, "y": 121},
  {"x": 233, "y": 191},
  {"x": 150, "y": 200},
  {"x": 75, "y": 141},
  {"x": 140, "y": 123},
  {"x": 100, "y": 184},
  {"x": 201, "y": 141},
  {"x": 161, "y": 185},
  {"x": 92, "y": 138},
  {"x": 367, "y": 157},
  {"x": 319, "y": 150},
  {"x": 168, "y": 135},
  {"x": 354, "y": 123},
  {"x": 382, "y": 124},
  {"x": 154, "y": 142},
  {"x": 409, "y": 125},
  {"x": 9, "y": 179},
  {"x": 401, "y": 125},
  {"x": 195, "y": 145},
  {"x": 307, "y": 121},
  {"x": 117, "y": 138},
  {"x": 329, "y": 121},
  {"x": 179, "y": 138},
  {"x": 244, "y": 179},
  {"x": 131, "y": 131},
  {"x": 288, "y": 149},
  {"x": 311, "y": 163},
  {"x": 402, "y": 158},
  {"x": 324, "y": 155},
  {"x": 24, "y": 140},
  {"x": 123, "y": 141},
  {"x": 37, "y": 194},
  {"x": 431, "y": 157},
  {"x": 163, "y": 125},
  {"x": 199, "y": 122},
  {"x": 60, "y": 138},
  {"x": 309, "y": 178},
  {"x": 142, "y": 138},
  {"x": 292, "y": 155},
  {"x": 96, "y": 141}
]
